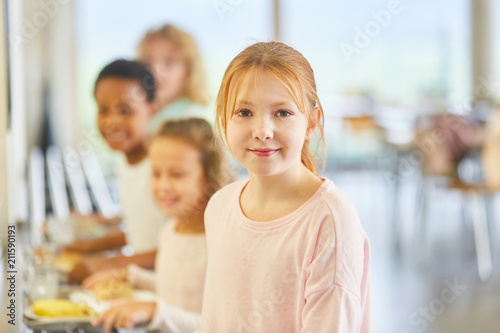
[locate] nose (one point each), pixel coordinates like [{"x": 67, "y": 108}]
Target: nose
[
  {"x": 165, "y": 184},
  {"x": 263, "y": 129},
  {"x": 109, "y": 122},
  {"x": 159, "y": 70}
]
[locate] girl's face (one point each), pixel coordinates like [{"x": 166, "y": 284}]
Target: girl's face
[
  {"x": 177, "y": 178},
  {"x": 168, "y": 66},
  {"x": 266, "y": 130},
  {"x": 124, "y": 113}
]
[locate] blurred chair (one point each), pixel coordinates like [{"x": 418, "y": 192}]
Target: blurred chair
[
  {"x": 361, "y": 142},
  {"x": 60, "y": 175},
  {"x": 476, "y": 190},
  {"x": 360, "y": 123},
  {"x": 477, "y": 214},
  {"x": 398, "y": 126},
  {"x": 353, "y": 137},
  {"x": 491, "y": 153},
  {"x": 57, "y": 183},
  {"x": 98, "y": 187},
  {"x": 77, "y": 185}
]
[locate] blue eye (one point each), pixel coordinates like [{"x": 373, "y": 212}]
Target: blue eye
[
  {"x": 283, "y": 113},
  {"x": 244, "y": 113}
]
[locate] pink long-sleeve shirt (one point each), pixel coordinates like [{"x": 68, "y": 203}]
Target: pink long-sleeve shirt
[{"x": 305, "y": 272}]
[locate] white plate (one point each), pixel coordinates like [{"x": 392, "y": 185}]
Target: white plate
[{"x": 87, "y": 297}]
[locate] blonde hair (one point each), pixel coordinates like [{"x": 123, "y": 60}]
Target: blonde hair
[
  {"x": 198, "y": 133},
  {"x": 195, "y": 87},
  {"x": 288, "y": 66}
]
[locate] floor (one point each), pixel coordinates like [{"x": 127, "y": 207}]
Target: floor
[{"x": 411, "y": 295}]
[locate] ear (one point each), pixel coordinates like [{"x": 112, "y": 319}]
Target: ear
[{"x": 316, "y": 112}]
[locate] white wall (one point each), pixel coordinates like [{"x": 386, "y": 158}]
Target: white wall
[
  {"x": 4, "y": 199},
  {"x": 49, "y": 68}
]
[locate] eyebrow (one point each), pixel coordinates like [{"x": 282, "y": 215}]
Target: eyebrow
[
  {"x": 248, "y": 103},
  {"x": 243, "y": 102},
  {"x": 280, "y": 104}
]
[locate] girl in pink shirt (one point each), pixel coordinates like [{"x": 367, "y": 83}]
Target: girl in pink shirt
[{"x": 286, "y": 250}]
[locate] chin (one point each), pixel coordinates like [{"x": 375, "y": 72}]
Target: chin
[
  {"x": 169, "y": 212},
  {"x": 118, "y": 147},
  {"x": 269, "y": 171}
]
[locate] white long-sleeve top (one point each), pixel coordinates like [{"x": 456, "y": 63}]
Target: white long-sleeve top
[
  {"x": 143, "y": 218},
  {"x": 181, "y": 263}
]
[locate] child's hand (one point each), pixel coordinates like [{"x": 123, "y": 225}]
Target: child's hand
[
  {"x": 81, "y": 270},
  {"x": 44, "y": 229},
  {"x": 107, "y": 220},
  {"x": 126, "y": 315},
  {"x": 91, "y": 281},
  {"x": 111, "y": 240},
  {"x": 97, "y": 218},
  {"x": 85, "y": 268},
  {"x": 82, "y": 246}
]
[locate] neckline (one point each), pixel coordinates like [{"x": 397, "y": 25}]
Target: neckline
[
  {"x": 284, "y": 220},
  {"x": 139, "y": 165}
]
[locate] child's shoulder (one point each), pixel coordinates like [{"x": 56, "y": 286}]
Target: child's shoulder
[
  {"x": 339, "y": 208},
  {"x": 334, "y": 197},
  {"x": 227, "y": 192}
]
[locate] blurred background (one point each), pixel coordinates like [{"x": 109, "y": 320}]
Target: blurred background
[{"x": 410, "y": 91}]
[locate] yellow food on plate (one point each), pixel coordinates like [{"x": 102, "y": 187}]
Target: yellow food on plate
[
  {"x": 113, "y": 289},
  {"x": 61, "y": 308},
  {"x": 66, "y": 261}
]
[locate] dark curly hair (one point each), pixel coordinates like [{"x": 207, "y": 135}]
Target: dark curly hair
[{"x": 131, "y": 70}]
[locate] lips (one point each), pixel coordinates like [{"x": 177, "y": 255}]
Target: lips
[
  {"x": 115, "y": 137},
  {"x": 168, "y": 202},
  {"x": 264, "y": 152}
]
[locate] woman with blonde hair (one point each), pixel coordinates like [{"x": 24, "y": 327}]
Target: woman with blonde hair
[{"x": 173, "y": 57}]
